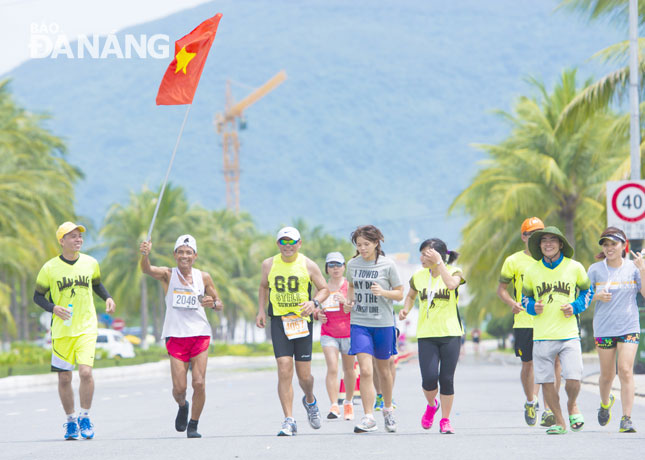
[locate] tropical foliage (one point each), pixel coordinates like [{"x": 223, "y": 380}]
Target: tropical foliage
[
  {"x": 36, "y": 195},
  {"x": 547, "y": 168}
]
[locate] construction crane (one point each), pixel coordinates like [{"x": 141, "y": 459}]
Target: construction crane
[{"x": 227, "y": 123}]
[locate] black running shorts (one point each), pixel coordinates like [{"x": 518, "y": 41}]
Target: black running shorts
[
  {"x": 300, "y": 348},
  {"x": 524, "y": 343}
]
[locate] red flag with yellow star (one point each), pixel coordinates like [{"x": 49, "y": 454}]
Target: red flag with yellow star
[{"x": 182, "y": 76}]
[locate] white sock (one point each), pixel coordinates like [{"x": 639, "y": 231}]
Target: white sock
[
  {"x": 84, "y": 413},
  {"x": 346, "y": 402},
  {"x": 370, "y": 416},
  {"x": 71, "y": 417},
  {"x": 388, "y": 409}
]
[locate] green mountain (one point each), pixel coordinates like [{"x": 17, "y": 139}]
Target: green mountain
[{"x": 373, "y": 125}]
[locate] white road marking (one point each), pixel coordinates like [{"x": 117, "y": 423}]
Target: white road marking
[
  {"x": 41, "y": 410},
  {"x": 13, "y": 413}
]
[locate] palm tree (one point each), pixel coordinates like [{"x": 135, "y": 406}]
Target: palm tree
[
  {"x": 553, "y": 170},
  {"x": 613, "y": 86},
  {"x": 36, "y": 194}
]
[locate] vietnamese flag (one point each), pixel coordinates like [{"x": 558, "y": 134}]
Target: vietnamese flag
[{"x": 182, "y": 76}]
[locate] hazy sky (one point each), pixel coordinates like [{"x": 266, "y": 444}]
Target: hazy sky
[{"x": 73, "y": 17}]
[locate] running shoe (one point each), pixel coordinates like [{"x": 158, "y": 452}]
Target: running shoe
[
  {"x": 191, "y": 431},
  {"x": 87, "y": 429},
  {"x": 348, "y": 410},
  {"x": 548, "y": 418},
  {"x": 71, "y": 430},
  {"x": 366, "y": 425},
  {"x": 445, "y": 427},
  {"x": 626, "y": 425},
  {"x": 393, "y": 404},
  {"x": 530, "y": 414},
  {"x": 289, "y": 427},
  {"x": 334, "y": 412},
  {"x": 313, "y": 413},
  {"x": 604, "y": 413},
  {"x": 379, "y": 403},
  {"x": 428, "y": 416},
  {"x": 390, "y": 423},
  {"x": 181, "y": 421}
]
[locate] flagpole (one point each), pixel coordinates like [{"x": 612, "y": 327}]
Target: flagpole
[{"x": 165, "y": 181}]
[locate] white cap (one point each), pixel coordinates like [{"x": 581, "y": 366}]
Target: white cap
[
  {"x": 335, "y": 257},
  {"x": 186, "y": 240},
  {"x": 288, "y": 232}
]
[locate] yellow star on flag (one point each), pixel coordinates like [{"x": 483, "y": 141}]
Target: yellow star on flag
[{"x": 183, "y": 58}]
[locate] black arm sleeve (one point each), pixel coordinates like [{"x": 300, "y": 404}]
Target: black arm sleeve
[
  {"x": 100, "y": 291},
  {"x": 42, "y": 302}
]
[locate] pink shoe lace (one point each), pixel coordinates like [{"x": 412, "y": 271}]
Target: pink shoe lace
[
  {"x": 428, "y": 415},
  {"x": 445, "y": 427}
]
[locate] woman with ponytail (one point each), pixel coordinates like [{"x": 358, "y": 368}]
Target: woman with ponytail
[
  {"x": 439, "y": 328},
  {"x": 616, "y": 282},
  {"x": 374, "y": 285}
]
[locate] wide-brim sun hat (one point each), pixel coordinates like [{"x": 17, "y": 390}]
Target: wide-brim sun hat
[{"x": 534, "y": 242}]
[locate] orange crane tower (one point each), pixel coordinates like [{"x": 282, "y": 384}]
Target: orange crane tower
[{"x": 226, "y": 124}]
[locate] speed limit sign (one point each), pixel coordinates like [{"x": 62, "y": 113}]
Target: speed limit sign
[{"x": 626, "y": 207}]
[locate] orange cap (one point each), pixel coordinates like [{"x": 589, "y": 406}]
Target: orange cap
[{"x": 531, "y": 224}]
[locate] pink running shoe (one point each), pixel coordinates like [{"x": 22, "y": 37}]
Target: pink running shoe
[
  {"x": 428, "y": 415},
  {"x": 445, "y": 427}
]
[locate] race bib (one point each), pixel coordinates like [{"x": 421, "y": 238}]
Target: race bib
[
  {"x": 295, "y": 327},
  {"x": 184, "y": 298},
  {"x": 330, "y": 304}
]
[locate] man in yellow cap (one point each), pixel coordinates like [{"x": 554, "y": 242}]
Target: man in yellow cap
[
  {"x": 65, "y": 287},
  {"x": 512, "y": 273}
]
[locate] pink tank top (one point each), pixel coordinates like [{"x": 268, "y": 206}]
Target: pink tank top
[{"x": 337, "y": 324}]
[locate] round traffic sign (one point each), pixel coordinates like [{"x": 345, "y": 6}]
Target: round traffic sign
[
  {"x": 118, "y": 324},
  {"x": 628, "y": 202}
]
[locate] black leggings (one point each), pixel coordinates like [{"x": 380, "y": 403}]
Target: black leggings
[{"x": 431, "y": 351}]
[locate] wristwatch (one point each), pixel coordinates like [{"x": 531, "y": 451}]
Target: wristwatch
[{"x": 316, "y": 303}]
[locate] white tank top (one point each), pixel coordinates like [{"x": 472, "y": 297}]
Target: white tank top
[{"x": 185, "y": 316}]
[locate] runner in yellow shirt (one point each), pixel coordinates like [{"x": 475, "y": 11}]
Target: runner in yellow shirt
[
  {"x": 286, "y": 286},
  {"x": 512, "y": 274},
  {"x": 555, "y": 290},
  {"x": 65, "y": 287}
]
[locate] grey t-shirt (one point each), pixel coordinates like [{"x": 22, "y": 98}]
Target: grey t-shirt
[
  {"x": 620, "y": 315},
  {"x": 371, "y": 310}
]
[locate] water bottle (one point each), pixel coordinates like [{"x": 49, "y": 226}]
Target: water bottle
[{"x": 68, "y": 322}]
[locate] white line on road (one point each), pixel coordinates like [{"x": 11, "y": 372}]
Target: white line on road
[
  {"x": 13, "y": 413},
  {"x": 41, "y": 410}
]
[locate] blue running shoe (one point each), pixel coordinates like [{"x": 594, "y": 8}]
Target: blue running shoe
[
  {"x": 378, "y": 404},
  {"x": 86, "y": 427},
  {"x": 71, "y": 430}
]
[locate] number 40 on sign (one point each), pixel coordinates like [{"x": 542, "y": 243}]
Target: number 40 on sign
[{"x": 626, "y": 207}]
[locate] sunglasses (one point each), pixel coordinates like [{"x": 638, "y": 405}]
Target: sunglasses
[
  {"x": 334, "y": 264},
  {"x": 287, "y": 242}
]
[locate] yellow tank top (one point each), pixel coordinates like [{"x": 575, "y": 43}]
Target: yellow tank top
[
  {"x": 289, "y": 286},
  {"x": 441, "y": 317}
]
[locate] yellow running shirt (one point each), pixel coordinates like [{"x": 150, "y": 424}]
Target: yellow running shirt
[
  {"x": 66, "y": 284},
  {"x": 513, "y": 271},
  {"x": 289, "y": 286},
  {"x": 555, "y": 288},
  {"x": 441, "y": 317}
]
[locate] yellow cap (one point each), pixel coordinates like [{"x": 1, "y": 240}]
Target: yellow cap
[{"x": 67, "y": 227}]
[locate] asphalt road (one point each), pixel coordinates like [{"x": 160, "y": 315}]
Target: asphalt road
[{"x": 134, "y": 418}]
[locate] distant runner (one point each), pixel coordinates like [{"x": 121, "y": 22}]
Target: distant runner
[
  {"x": 616, "y": 325},
  {"x": 65, "y": 287},
  {"x": 439, "y": 328},
  {"x": 334, "y": 337},
  {"x": 186, "y": 329},
  {"x": 286, "y": 286}
]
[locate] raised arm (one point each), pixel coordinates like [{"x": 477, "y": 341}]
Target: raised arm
[
  {"x": 212, "y": 298},
  {"x": 159, "y": 273}
]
